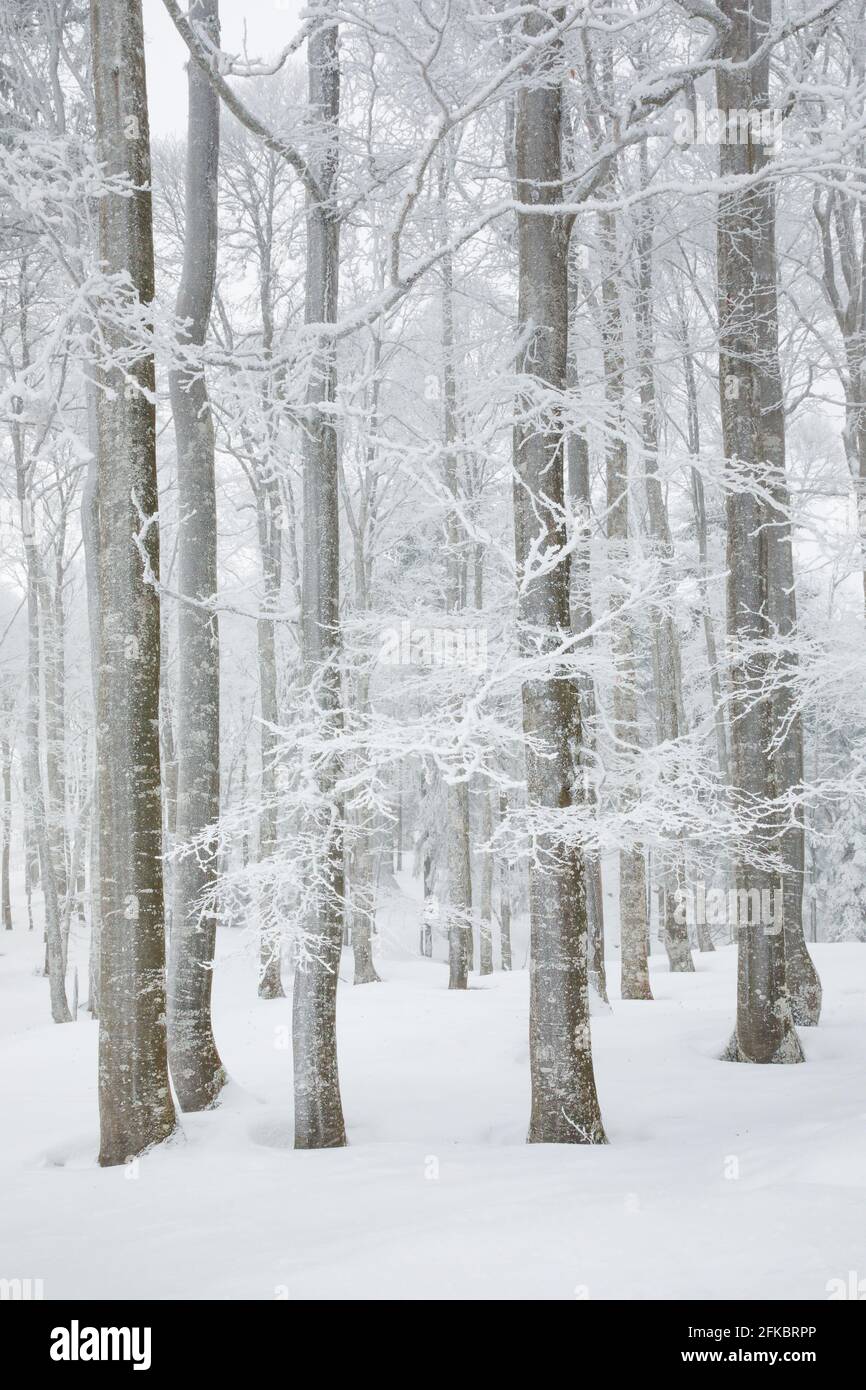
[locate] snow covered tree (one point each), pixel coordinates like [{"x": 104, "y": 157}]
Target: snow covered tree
[
  {"x": 565, "y": 1106},
  {"x": 753, "y": 427},
  {"x": 135, "y": 1103},
  {"x": 318, "y": 1107},
  {"x": 196, "y": 1068}
]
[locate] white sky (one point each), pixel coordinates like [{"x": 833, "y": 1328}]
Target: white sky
[{"x": 269, "y": 25}]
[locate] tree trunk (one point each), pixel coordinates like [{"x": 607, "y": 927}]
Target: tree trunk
[
  {"x": 361, "y": 859},
  {"x": 457, "y": 832},
  {"x": 31, "y": 862},
  {"x": 504, "y": 897},
  {"x": 485, "y": 905},
  {"x": 633, "y": 926},
  {"x": 801, "y": 977},
  {"x": 318, "y": 1107},
  {"x": 270, "y": 952},
  {"x": 426, "y": 921},
  {"x": 361, "y": 894},
  {"x": 54, "y": 967},
  {"x": 581, "y": 622},
  {"x": 168, "y": 759},
  {"x": 5, "y": 899},
  {"x": 459, "y": 879},
  {"x": 700, "y": 511},
  {"x": 670, "y": 709},
  {"x": 135, "y": 1104},
  {"x": 90, "y": 537},
  {"x": 398, "y": 825},
  {"x": 50, "y": 623},
  {"x": 363, "y": 906},
  {"x": 748, "y": 383},
  {"x": 564, "y": 1105},
  {"x": 197, "y": 1071}
]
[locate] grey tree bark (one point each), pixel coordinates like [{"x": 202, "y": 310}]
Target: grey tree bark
[
  {"x": 458, "y": 856},
  {"x": 701, "y": 531},
  {"x": 53, "y": 674},
  {"x": 802, "y": 981},
  {"x": 670, "y": 708},
  {"x": 485, "y": 903},
  {"x": 565, "y": 1105},
  {"x": 196, "y": 1068},
  {"x": 458, "y": 862},
  {"x": 361, "y": 858},
  {"x": 634, "y": 934},
  {"x": 426, "y": 938},
  {"x": 267, "y": 513},
  {"x": 581, "y": 622},
  {"x": 90, "y": 537},
  {"x": 843, "y": 214},
  {"x": 5, "y": 899},
  {"x": 504, "y": 897},
  {"x": 135, "y": 1104},
  {"x": 753, "y": 436},
  {"x": 33, "y": 768},
  {"x": 702, "y": 930},
  {"x": 318, "y": 1106}
]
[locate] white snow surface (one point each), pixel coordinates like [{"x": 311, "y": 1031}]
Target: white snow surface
[{"x": 719, "y": 1181}]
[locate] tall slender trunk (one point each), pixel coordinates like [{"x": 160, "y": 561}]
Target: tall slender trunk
[
  {"x": 361, "y": 856},
  {"x": 504, "y": 915},
  {"x": 457, "y": 837},
  {"x": 361, "y": 888},
  {"x": 267, "y": 504},
  {"x": 485, "y": 904},
  {"x": 670, "y": 709},
  {"x": 504, "y": 897},
  {"x": 318, "y": 1107},
  {"x": 802, "y": 981},
  {"x": 564, "y": 1105},
  {"x": 426, "y": 917},
  {"x": 362, "y": 897},
  {"x": 581, "y": 622},
  {"x": 135, "y": 1104},
  {"x": 168, "y": 759},
  {"x": 847, "y": 214},
  {"x": 700, "y": 512},
  {"x": 31, "y": 860},
  {"x": 753, "y": 436},
  {"x": 702, "y": 930},
  {"x": 90, "y": 537},
  {"x": 33, "y": 768},
  {"x": 5, "y": 898},
  {"x": 50, "y": 622},
  {"x": 459, "y": 879},
  {"x": 197, "y": 1071},
  {"x": 634, "y": 933},
  {"x": 398, "y": 824}
]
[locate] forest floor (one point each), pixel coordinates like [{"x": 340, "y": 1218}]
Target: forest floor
[{"x": 719, "y": 1180}]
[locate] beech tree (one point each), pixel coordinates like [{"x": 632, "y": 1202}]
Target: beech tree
[
  {"x": 196, "y": 1068},
  {"x": 565, "y": 1106},
  {"x": 753, "y": 428},
  {"x": 135, "y": 1103},
  {"x": 318, "y": 1107}
]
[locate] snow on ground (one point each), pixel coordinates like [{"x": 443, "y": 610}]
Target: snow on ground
[{"x": 719, "y": 1181}]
